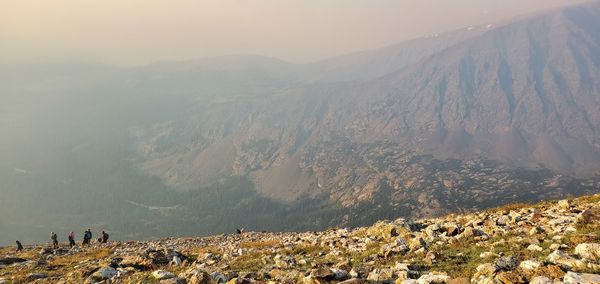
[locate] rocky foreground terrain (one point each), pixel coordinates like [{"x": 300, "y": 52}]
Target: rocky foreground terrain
[{"x": 550, "y": 242}]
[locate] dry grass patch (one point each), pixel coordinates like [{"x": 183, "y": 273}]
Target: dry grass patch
[
  {"x": 261, "y": 244},
  {"x": 93, "y": 254}
]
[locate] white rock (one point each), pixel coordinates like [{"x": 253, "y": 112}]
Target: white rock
[
  {"x": 339, "y": 273},
  {"x": 589, "y": 251},
  {"x": 483, "y": 280},
  {"x": 401, "y": 266},
  {"x": 530, "y": 264},
  {"x": 433, "y": 278},
  {"x": 570, "y": 230},
  {"x": 554, "y": 246},
  {"x": 176, "y": 260},
  {"x": 487, "y": 254},
  {"x": 535, "y": 231},
  {"x": 535, "y": 248},
  {"x": 162, "y": 274},
  {"x": 581, "y": 278},
  {"x": 486, "y": 269},
  {"x": 409, "y": 281},
  {"x": 561, "y": 258},
  {"x": 106, "y": 272},
  {"x": 377, "y": 274},
  {"x": 564, "y": 204}
]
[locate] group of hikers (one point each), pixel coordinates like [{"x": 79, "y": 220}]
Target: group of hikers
[{"x": 87, "y": 238}]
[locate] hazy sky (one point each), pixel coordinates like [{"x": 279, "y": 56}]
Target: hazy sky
[{"x": 142, "y": 31}]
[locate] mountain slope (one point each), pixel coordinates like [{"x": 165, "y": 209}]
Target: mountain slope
[
  {"x": 542, "y": 243},
  {"x": 521, "y": 95}
]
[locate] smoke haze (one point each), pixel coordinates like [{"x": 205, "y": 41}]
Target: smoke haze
[{"x": 143, "y": 31}]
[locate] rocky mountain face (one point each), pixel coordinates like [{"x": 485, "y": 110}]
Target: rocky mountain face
[
  {"x": 456, "y": 120},
  {"x": 551, "y": 242}
]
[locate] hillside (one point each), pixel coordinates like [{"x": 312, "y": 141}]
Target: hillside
[
  {"x": 522, "y": 95},
  {"x": 550, "y": 241}
]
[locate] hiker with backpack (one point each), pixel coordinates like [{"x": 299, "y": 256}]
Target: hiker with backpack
[
  {"x": 19, "y": 246},
  {"x": 87, "y": 237},
  {"x": 54, "y": 238},
  {"x": 104, "y": 237},
  {"x": 72, "y": 239}
]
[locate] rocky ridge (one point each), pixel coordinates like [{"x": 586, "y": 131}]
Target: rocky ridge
[{"x": 550, "y": 242}]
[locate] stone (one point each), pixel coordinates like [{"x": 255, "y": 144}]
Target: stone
[
  {"x": 581, "y": 278},
  {"x": 452, "y": 231},
  {"x": 530, "y": 264},
  {"x": 461, "y": 280},
  {"x": 35, "y": 276},
  {"x": 535, "y": 230},
  {"x": 10, "y": 260},
  {"x": 430, "y": 257},
  {"x": 176, "y": 260},
  {"x": 432, "y": 278},
  {"x": 589, "y": 251},
  {"x": 196, "y": 276},
  {"x": 310, "y": 280},
  {"x": 509, "y": 277},
  {"x": 486, "y": 269},
  {"x": 541, "y": 280},
  {"x": 105, "y": 273},
  {"x": 354, "y": 281},
  {"x": 401, "y": 275},
  {"x": 487, "y": 254},
  {"x": 507, "y": 263},
  {"x": 394, "y": 232},
  {"x": 416, "y": 244},
  {"x": 550, "y": 271},
  {"x": 503, "y": 220},
  {"x": 384, "y": 274},
  {"x": 561, "y": 258},
  {"x": 135, "y": 261},
  {"x": 564, "y": 204},
  {"x": 468, "y": 233},
  {"x": 175, "y": 280},
  {"x": 162, "y": 274},
  {"x": 220, "y": 278},
  {"x": 535, "y": 248},
  {"x": 322, "y": 273},
  {"x": 591, "y": 216},
  {"x": 339, "y": 274}
]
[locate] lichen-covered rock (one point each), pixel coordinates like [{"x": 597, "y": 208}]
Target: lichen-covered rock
[
  {"x": 507, "y": 263},
  {"x": 162, "y": 274},
  {"x": 530, "y": 264},
  {"x": 589, "y": 251},
  {"x": 581, "y": 278},
  {"x": 561, "y": 258},
  {"x": 541, "y": 280},
  {"x": 433, "y": 278},
  {"x": 105, "y": 273}
]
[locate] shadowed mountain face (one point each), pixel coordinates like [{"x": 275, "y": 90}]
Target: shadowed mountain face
[{"x": 462, "y": 120}]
